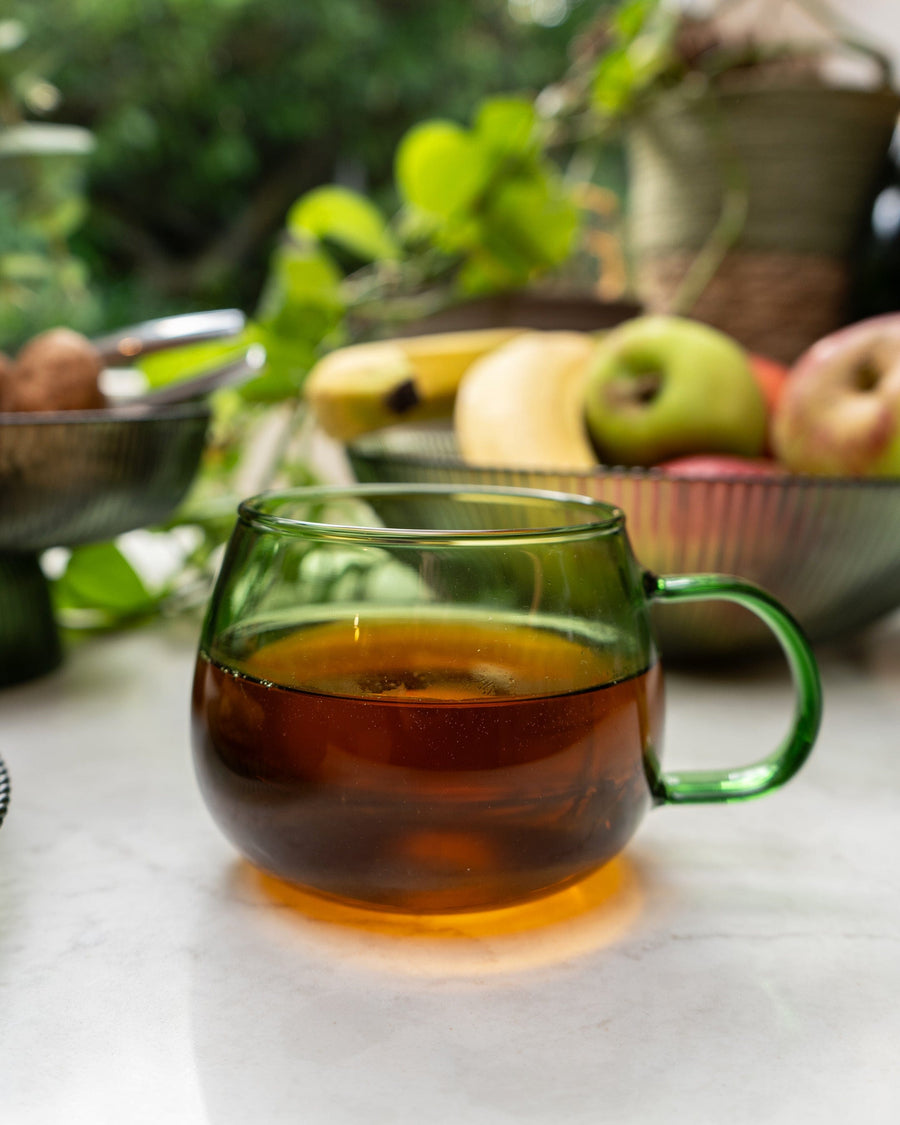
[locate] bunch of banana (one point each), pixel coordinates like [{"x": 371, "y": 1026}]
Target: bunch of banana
[
  {"x": 523, "y": 405},
  {"x": 363, "y": 387}
]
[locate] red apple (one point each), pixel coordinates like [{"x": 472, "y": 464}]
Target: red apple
[
  {"x": 713, "y": 466},
  {"x": 771, "y": 376},
  {"x": 714, "y": 505},
  {"x": 839, "y": 413}
]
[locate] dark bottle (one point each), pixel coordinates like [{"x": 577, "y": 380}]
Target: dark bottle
[{"x": 875, "y": 282}]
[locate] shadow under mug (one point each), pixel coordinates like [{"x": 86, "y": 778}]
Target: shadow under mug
[{"x": 441, "y": 698}]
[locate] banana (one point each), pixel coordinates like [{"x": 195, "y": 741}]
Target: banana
[
  {"x": 522, "y": 405},
  {"x": 363, "y": 387}
]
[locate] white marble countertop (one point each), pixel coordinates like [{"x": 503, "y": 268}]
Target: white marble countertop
[{"x": 740, "y": 964}]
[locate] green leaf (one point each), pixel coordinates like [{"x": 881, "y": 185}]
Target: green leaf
[
  {"x": 644, "y": 34},
  {"x": 60, "y": 220},
  {"x": 614, "y": 83},
  {"x": 288, "y": 361},
  {"x": 650, "y": 56},
  {"x": 507, "y": 126},
  {"x": 25, "y": 267},
  {"x": 530, "y": 224},
  {"x": 483, "y": 273},
  {"x": 98, "y": 576},
  {"x": 302, "y": 299},
  {"x": 440, "y": 168},
  {"x": 173, "y": 364},
  {"x": 631, "y": 17},
  {"x": 346, "y": 218}
]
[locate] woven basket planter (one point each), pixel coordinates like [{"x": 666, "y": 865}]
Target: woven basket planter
[{"x": 806, "y": 160}]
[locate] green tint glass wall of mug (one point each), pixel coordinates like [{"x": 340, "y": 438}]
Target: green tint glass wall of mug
[{"x": 429, "y": 698}]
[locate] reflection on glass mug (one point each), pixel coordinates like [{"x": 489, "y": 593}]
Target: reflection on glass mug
[{"x": 435, "y": 698}]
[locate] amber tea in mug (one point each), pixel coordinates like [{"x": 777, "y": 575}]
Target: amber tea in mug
[{"x": 433, "y": 699}]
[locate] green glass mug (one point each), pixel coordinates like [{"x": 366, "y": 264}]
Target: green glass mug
[{"x": 439, "y": 698}]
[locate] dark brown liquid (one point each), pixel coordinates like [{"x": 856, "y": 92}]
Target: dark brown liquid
[{"x": 446, "y": 766}]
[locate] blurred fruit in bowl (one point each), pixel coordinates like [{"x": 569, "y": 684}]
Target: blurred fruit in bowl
[
  {"x": 720, "y": 466},
  {"x": 664, "y": 386},
  {"x": 522, "y": 404},
  {"x": 697, "y": 441},
  {"x": 839, "y": 414},
  {"x": 362, "y": 387},
  {"x": 771, "y": 377},
  {"x": 827, "y": 548},
  {"x": 57, "y": 370}
]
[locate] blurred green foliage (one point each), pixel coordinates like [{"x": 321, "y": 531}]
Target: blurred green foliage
[
  {"x": 331, "y": 166},
  {"x": 488, "y": 195},
  {"x": 639, "y": 53},
  {"x": 480, "y": 209},
  {"x": 212, "y": 116},
  {"x": 343, "y": 269},
  {"x": 42, "y": 199}
]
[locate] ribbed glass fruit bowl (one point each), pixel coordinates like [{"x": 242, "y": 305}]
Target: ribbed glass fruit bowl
[{"x": 827, "y": 548}]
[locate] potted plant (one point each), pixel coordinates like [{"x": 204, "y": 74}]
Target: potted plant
[{"x": 750, "y": 167}]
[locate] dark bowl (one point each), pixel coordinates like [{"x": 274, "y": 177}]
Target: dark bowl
[
  {"x": 81, "y": 476},
  {"x": 74, "y": 477}
]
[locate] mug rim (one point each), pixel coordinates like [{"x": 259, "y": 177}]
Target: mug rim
[{"x": 255, "y": 512}]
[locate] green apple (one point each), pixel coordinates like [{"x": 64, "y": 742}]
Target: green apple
[
  {"x": 665, "y": 386},
  {"x": 839, "y": 413}
]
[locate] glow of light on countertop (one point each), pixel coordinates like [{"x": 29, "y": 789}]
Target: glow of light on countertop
[{"x": 594, "y": 913}]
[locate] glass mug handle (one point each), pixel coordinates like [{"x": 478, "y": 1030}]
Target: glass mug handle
[{"x": 711, "y": 786}]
